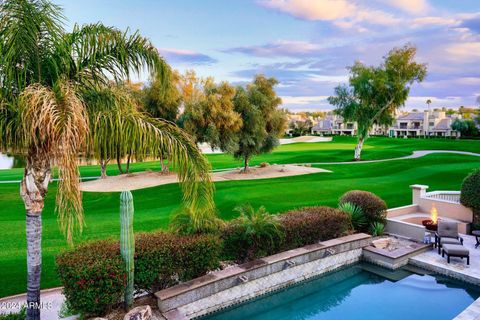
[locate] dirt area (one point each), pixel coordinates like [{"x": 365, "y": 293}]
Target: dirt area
[
  {"x": 308, "y": 139},
  {"x": 148, "y": 179}
]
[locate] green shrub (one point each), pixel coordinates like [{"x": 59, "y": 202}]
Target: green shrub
[
  {"x": 373, "y": 207},
  {"x": 93, "y": 276},
  {"x": 163, "y": 259},
  {"x": 312, "y": 224},
  {"x": 254, "y": 234},
  {"x": 377, "y": 229},
  {"x": 357, "y": 218},
  {"x": 185, "y": 221},
  {"x": 470, "y": 193}
]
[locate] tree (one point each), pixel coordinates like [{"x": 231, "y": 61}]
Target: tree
[
  {"x": 263, "y": 122},
  {"x": 428, "y": 102},
  {"x": 466, "y": 127},
  {"x": 163, "y": 101},
  {"x": 375, "y": 93},
  {"x": 45, "y": 76},
  {"x": 301, "y": 128},
  {"x": 469, "y": 194},
  {"x": 211, "y": 117}
]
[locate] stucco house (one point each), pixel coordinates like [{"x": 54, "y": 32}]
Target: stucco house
[{"x": 427, "y": 123}]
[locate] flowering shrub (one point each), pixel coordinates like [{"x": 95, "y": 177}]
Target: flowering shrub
[{"x": 93, "y": 277}]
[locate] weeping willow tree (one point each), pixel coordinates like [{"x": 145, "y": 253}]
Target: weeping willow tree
[{"x": 50, "y": 80}]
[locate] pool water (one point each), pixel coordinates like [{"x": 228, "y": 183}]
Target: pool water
[{"x": 361, "y": 291}]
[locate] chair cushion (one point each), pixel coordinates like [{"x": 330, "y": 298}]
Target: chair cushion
[
  {"x": 456, "y": 250},
  {"x": 447, "y": 229},
  {"x": 449, "y": 241}
]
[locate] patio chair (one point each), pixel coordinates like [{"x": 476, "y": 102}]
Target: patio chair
[{"x": 447, "y": 233}]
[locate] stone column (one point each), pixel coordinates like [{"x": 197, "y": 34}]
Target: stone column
[{"x": 418, "y": 191}]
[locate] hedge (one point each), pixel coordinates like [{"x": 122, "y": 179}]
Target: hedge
[
  {"x": 163, "y": 259},
  {"x": 94, "y": 277},
  {"x": 300, "y": 227},
  {"x": 312, "y": 224}
]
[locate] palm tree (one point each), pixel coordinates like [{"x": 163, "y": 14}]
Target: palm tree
[
  {"x": 49, "y": 80},
  {"x": 429, "y": 102}
]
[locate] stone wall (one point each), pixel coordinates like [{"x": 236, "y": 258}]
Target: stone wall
[{"x": 238, "y": 284}]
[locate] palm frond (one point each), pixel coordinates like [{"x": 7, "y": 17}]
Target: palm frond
[
  {"x": 118, "y": 129},
  {"x": 27, "y": 31},
  {"x": 55, "y": 121},
  {"x": 100, "y": 52}
]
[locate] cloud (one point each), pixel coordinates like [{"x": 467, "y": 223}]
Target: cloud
[
  {"x": 343, "y": 13},
  {"x": 464, "y": 52},
  {"x": 409, "y": 6},
  {"x": 313, "y": 9},
  {"x": 305, "y": 103},
  {"x": 472, "y": 23},
  {"x": 434, "y": 21},
  {"x": 178, "y": 56},
  {"x": 281, "y": 48},
  {"x": 286, "y": 100}
]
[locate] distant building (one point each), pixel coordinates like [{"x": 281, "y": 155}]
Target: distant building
[
  {"x": 412, "y": 124},
  {"x": 427, "y": 123},
  {"x": 334, "y": 125}
]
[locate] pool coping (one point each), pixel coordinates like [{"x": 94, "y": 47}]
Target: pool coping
[{"x": 186, "y": 300}]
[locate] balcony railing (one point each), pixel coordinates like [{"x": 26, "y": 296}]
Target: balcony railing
[{"x": 447, "y": 196}]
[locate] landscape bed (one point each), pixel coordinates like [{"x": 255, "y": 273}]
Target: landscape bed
[{"x": 361, "y": 291}]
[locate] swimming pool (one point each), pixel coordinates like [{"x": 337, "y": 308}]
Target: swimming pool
[{"x": 361, "y": 291}]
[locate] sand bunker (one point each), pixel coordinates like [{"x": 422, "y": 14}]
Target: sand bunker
[
  {"x": 148, "y": 179},
  {"x": 307, "y": 139}
]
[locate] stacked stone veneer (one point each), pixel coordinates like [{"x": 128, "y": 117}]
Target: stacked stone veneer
[{"x": 238, "y": 284}]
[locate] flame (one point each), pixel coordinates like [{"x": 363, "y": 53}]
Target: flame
[{"x": 434, "y": 214}]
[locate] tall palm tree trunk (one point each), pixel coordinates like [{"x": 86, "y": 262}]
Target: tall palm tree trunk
[{"x": 33, "y": 189}]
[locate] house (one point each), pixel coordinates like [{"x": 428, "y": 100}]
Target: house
[
  {"x": 334, "y": 125},
  {"x": 427, "y": 123}
]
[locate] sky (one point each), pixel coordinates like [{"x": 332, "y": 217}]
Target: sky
[{"x": 306, "y": 44}]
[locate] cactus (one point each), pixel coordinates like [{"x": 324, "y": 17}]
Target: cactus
[{"x": 127, "y": 242}]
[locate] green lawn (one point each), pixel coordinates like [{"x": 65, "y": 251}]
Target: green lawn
[{"x": 390, "y": 180}]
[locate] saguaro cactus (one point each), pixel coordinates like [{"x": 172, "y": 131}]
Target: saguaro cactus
[{"x": 127, "y": 242}]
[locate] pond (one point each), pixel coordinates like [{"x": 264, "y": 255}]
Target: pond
[{"x": 10, "y": 161}]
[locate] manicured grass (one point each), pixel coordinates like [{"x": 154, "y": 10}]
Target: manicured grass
[
  {"x": 341, "y": 149},
  {"x": 390, "y": 180}
]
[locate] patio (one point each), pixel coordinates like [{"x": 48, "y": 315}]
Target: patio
[{"x": 457, "y": 268}]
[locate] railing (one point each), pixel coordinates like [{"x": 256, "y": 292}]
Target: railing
[{"x": 447, "y": 196}]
